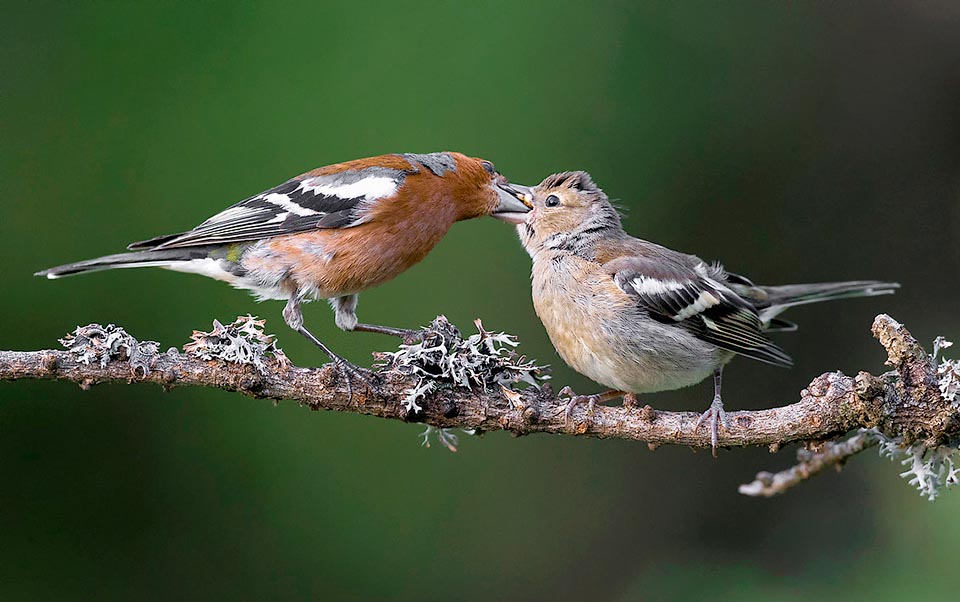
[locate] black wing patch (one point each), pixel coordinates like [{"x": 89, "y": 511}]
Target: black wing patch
[
  {"x": 705, "y": 307},
  {"x": 300, "y": 204}
]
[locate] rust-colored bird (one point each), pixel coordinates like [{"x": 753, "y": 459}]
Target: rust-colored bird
[
  {"x": 330, "y": 233},
  {"x": 638, "y": 317}
]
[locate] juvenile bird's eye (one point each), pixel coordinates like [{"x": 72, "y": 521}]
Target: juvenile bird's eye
[
  {"x": 489, "y": 167},
  {"x": 552, "y": 201}
]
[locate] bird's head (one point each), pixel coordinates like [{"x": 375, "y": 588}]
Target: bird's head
[
  {"x": 569, "y": 212},
  {"x": 479, "y": 189}
]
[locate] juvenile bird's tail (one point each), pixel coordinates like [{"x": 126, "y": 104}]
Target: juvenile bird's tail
[
  {"x": 783, "y": 297},
  {"x": 162, "y": 258}
]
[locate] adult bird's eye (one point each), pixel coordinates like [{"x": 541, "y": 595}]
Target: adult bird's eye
[
  {"x": 489, "y": 167},
  {"x": 552, "y": 201}
]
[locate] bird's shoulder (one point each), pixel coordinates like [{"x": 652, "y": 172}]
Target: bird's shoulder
[
  {"x": 629, "y": 254},
  {"x": 393, "y": 161}
]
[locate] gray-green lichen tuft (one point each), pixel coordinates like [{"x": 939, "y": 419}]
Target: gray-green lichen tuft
[
  {"x": 930, "y": 469},
  {"x": 98, "y": 344},
  {"x": 242, "y": 342},
  {"x": 443, "y": 357}
]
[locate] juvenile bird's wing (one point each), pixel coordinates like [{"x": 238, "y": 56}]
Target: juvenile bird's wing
[
  {"x": 682, "y": 290},
  {"x": 307, "y": 202}
]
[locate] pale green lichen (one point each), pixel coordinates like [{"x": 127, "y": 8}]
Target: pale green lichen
[
  {"x": 446, "y": 437},
  {"x": 242, "y": 342},
  {"x": 98, "y": 344},
  {"x": 443, "y": 358},
  {"x": 485, "y": 359},
  {"x": 948, "y": 373},
  {"x": 931, "y": 470}
]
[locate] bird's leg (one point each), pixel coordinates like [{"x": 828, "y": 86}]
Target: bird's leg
[
  {"x": 715, "y": 416},
  {"x": 408, "y": 335},
  {"x": 347, "y": 369},
  {"x": 294, "y": 318},
  {"x": 591, "y": 400},
  {"x": 345, "y": 310}
]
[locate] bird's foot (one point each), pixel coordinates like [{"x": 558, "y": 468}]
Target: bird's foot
[
  {"x": 592, "y": 400},
  {"x": 352, "y": 373},
  {"x": 715, "y": 417},
  {"x": 574, "y": 400},
  {"x": 411, "y": 337},
  {"x": 347, "y": 370}
]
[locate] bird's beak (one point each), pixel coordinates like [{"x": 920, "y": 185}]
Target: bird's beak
[{"x": 515, "y": 203}]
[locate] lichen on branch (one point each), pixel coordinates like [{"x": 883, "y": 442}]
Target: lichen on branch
[{"x": 480, "y": 383}]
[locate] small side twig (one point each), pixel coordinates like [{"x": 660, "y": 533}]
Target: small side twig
[{"x": 810, "y": 463}]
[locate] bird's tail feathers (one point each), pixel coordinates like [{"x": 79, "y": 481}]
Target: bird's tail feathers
[
  {"x": 783, "y": 297},
  {"x": 160, "y": 258}
]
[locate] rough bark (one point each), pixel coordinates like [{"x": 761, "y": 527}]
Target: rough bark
[{"x": 903, "y": 403}]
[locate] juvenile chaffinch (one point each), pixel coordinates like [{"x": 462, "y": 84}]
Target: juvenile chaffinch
[
  {"x": 331, "y": 232},
  {"x": 638, "y": 317}
]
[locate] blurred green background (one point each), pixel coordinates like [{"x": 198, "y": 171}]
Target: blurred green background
[{"x": 794, "y": 141}]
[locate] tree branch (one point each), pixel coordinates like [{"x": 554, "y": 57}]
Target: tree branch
[
  {"x": 831, "y": 453},
  {"x": 421, "y": 383}
]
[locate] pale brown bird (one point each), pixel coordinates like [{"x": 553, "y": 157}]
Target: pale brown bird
[{"x": 638, "y": 317}]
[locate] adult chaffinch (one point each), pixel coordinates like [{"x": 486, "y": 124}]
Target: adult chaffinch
[
  {"x": 638, "y": 317},
  {"x": 331, "y": 232}
]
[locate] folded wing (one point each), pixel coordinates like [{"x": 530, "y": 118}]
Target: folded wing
[
  {"x": 694, "y": 296},
  {"x": 304, "y": 203}
]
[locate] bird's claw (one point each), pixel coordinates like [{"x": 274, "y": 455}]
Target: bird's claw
[
  {"x": 715, "y": 417},
  {"x": 349, "y": 372},
  {"x": 411, "y": 337},
  {"x": 575, "y": 400}
]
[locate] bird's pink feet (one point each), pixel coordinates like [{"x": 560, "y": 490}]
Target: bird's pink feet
[
  {"x": 591, "y": 400},
  {"x": 575, "y": 400}
]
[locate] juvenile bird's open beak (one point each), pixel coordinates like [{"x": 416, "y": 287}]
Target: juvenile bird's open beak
[{"x": 515, "y": 203}]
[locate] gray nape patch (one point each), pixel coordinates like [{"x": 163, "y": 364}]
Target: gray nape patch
[{"x": 438, "y": 163}]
